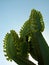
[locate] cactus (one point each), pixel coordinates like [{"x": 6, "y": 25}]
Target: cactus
[
  {"x": 16, "y": 49},
  {"x": 30, "y": 41}
]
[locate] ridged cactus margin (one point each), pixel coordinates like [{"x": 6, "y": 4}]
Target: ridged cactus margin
[{"x": 30, "y": 41}]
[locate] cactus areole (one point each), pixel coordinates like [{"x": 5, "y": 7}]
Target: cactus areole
[{"x": 30, "y": 41}]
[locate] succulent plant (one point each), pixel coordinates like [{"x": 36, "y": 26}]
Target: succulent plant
[{"x": 30, "y": 41}]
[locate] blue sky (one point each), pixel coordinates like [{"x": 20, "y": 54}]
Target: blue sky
[{"x": 13, "y": 13}]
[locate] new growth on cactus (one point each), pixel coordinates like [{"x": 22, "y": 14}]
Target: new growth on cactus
[{"x": 30, "y": 41}]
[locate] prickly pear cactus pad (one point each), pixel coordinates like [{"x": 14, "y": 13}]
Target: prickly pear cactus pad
[{"x": 17, "y": 47}]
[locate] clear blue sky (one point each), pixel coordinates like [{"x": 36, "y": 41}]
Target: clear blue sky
[{"x": 13, "y": 13}]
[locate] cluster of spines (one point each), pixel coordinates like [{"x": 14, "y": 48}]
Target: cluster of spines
[
  {"x": 11, "y": 45},
  {"x": 35, "y": 23}
]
